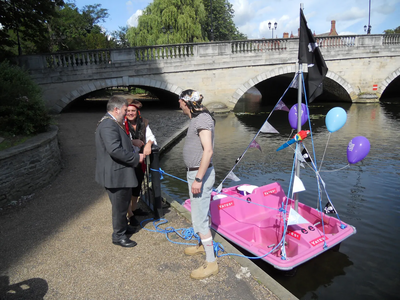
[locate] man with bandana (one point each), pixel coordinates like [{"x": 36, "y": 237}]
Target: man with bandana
[{"x": 197, "y": 155}]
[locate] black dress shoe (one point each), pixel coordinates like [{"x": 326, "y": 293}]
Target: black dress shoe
[
  {"x": 140, "y": 212},
  {"x": 133, "y": 221},
  {"x": 125, "y": 243}
]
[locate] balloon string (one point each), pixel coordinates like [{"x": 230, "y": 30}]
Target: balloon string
[
  {"x": 290, "y": 135},
  {"x": 326, "y": 146},
  {"x": 346, "y": 166}
]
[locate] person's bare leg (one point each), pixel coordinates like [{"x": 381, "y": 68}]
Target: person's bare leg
[{"x": 205, "y": 236}]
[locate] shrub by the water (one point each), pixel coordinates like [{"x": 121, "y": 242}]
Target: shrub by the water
[{"x": 22, "y": 110}]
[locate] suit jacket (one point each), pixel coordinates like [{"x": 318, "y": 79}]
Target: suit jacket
[{"x": 115, "y": 156}]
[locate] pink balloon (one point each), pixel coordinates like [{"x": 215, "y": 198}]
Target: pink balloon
[
  {"x": 293, "y": 115},
  {"x": 357, "y": 149}
]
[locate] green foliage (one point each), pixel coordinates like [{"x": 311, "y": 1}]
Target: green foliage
[
  {"x": 11, "y": 140},
  {"x": 93, "y": 14},
  {"x": 224, "y": 28},
  {"x": 22, "y": 110},
  {"x": 183, "y": 16},
  {"x": 392, "y": 31},
  {"x": 120, "y": 38},
  {"x": 135, "y": 91},
  {"x": 75, "y": 30},
  {"x": 32, "y": 26},
  {"x": 96, "y": 39},
  {"x": 26, "y": 46},
  {"x": 26, "y": 20},
  {"x": 190, "y": 21}
]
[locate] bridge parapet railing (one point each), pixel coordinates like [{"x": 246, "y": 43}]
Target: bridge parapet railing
[
  {"x": 146, "y": 53},
  {"x": 78, "y": 58},
  {"x": 261, "y": 45},
  {"x": 336, "y": 41},
  {"x": 109, "y": 57},
  {"x": 391, "y": 39}
]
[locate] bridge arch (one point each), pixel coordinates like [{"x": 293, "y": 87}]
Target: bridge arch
[
  {"x": 259, "y": 78},
  {"x": 86, "y": 88},
  {"x": 286, "y": 70},
  {"x": 385, "y": 83}
]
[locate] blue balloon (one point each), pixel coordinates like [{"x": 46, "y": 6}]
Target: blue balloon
[{"x": 335, "y": 119}]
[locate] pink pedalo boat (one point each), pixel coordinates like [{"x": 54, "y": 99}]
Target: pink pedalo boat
[{"x": 253, "y": 219}]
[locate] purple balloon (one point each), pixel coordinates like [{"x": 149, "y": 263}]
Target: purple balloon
[
  {"x": 357, "y": 149},
  {"x": 293, "y": 115}
]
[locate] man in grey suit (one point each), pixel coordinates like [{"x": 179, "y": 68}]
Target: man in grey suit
[{"x": 115, "y": 162}]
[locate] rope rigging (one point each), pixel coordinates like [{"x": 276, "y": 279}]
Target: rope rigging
[{"x": 188, "y": 234}]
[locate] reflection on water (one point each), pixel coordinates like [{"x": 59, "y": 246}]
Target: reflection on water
[{"x": 366, "y": 194}]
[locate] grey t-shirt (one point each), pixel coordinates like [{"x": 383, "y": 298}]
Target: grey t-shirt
[{"x": 193, "y": 150}]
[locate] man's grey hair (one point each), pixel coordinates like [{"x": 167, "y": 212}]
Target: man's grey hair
[{"x": 116, "y": 101}]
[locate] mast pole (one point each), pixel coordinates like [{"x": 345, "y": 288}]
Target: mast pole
[{"x": 299, "y": 98}]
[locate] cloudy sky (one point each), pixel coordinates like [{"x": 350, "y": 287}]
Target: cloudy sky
[{"x": 252, "y": 16}]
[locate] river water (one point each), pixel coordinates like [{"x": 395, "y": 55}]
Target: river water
[{"x": 366, "y": 194}]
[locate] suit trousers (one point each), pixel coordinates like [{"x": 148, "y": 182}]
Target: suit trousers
[{"x": 120, "y": 198}]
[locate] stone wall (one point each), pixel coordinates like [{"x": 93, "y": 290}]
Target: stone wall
[{"x": 29, "y": 166}]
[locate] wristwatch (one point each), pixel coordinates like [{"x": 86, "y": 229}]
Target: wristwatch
[{"x": 198, "y": 179}]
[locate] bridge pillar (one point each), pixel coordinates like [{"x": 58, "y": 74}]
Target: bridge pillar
[
  {"x": 32, "y": 62},
  {"x": 369, "y": 41},
  {"x": 121, "y": 55}
]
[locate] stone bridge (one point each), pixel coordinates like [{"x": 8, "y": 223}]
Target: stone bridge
[{"x": 360, "y": 69}]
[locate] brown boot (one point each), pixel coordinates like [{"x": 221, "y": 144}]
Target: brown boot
[
  {"x": 206, "y": 270},
  {"x": 195, "y": 250}
]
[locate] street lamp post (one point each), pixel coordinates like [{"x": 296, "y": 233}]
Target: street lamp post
[
  {"x": 165, "y": 30},
  {"x": 274, "y": 27},
  {"x": 368, "y": 29},
  {"x": 17, "y": 30}
]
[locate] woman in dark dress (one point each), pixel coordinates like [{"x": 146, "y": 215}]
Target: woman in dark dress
[{"x": 142, "y": 138}]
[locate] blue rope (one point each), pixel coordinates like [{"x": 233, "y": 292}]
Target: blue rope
[
  {"x": 315, "y": 165},
  {"x": 184, "y": 233},
  {"x": 234, "y": 197},
  {"x": 218, "y": 247},
  {"x": 189, "y": 234},
  {"x": 163, "y": 172}
]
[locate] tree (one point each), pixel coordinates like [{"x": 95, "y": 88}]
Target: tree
[
  {"x": 93, "y": 14},
  {"x": 221, "y": 21},
  {"x": 184, "y": 17},
  {"x": 392, "y": 31},
  {"x": 75, "y": 30},
  {"x": 190, "y": 21},
  {"x": 26, "y": 20},
  {"x": 97, "y": 39},
  {"x": 120, "y": 37},
  {"x": 67, "y": 32}
]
